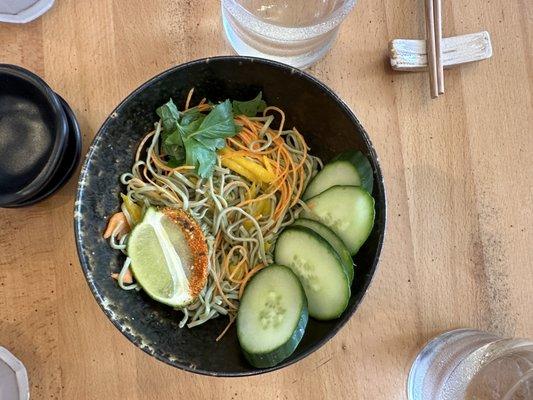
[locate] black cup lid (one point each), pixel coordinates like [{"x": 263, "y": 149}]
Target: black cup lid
[
  {"x": 66, "y": 167},
  {"x": 33, "y": 133}
]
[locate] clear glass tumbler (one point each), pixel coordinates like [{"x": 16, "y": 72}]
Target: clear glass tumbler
[
  {"x": 295, "y": 32},
  {"x": 468, "y": 364}
]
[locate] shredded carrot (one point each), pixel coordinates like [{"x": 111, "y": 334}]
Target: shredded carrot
[
  {"x": 238, "y": 266},
  {"x": 247, "y": 124},
  {"x": 224, "y": 298},
  {"x": 231, "y": 320},
  {"x": 203, "y": 106},
  {"x": 128, "y": 277},
  {"x": 119, "y": 222},
  {"x": 189, "y": 97},
  {"x": 141, "y": 146},
  {"x": 247, "y": 137}
]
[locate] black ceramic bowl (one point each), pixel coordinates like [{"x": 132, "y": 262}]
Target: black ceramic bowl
[
  {"x": 33, "y": 134},
  {"x": 67, "y": 165},
  {"x": 328, "y": 126}
]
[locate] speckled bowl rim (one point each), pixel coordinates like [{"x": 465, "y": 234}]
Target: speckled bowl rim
[{"x": 379, "y": 182}]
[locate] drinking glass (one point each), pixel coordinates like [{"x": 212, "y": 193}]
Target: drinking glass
[
  {"x": 295, "y": 32},
  {"x": 467, "y": 364}
]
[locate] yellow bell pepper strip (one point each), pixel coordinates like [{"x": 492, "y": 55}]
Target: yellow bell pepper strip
[
  {"x": 252, "y": 191},
  {"x": 133, "y": 209},
  {"x": 237, "y": 271},
  {"x": 262, "y": 174},
  {"x": 267, "y": 164},
  {"x": 259, "y": 173},
  {"x": 234, "y": 166}
]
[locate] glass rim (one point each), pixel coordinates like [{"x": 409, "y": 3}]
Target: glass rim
[{"x": 261, "y": 27}]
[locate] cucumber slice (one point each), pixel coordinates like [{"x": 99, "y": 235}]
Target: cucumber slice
[
  {"x": 319, "y": 268},
  {"x": 350, "y": 168},
  {"x": 272, "y": 316},
  {"x": 335, "y": 241},
  {"x": 346, "y": 210}
]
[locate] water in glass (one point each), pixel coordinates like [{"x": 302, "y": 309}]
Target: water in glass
[
  {"x": 468, "y": 364},
  {"x": 296, "y": 32}
]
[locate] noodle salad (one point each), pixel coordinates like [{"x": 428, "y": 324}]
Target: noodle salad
[{"x": 240, "y": 178}]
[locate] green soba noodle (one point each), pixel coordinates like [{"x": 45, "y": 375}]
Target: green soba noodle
[{"x": 214, "y": 203}]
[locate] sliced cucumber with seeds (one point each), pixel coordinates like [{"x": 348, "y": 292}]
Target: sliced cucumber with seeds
[
  {"x": 272, "y": 316},
  {"x": 333, "y": 240},
  {"x": 346, "y": 210},
  {"x": 350, "y": 168},
  {"x": 319, "y": 268}
]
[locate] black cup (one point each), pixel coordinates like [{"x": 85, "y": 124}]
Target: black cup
[{"x": 40, "y": 140}]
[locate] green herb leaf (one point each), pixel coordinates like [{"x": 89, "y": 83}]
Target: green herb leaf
[
  {"x": 249, "y": 108},
  {"x": 193, "y": 138},
  {"x": 203, "y": 158},
  {"x": 173, "y": 162},
  {"x": 169, "y": 115},
  {"x": 172, "y": 145},
  {"x": 175, "y": 125},
  {"x": 191, "y": 115},
  {"x": 212, "y": 144},
  {"x": 217, "y": 124}
]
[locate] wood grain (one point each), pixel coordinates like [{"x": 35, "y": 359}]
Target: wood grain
[{"x": 458, "y": 174}]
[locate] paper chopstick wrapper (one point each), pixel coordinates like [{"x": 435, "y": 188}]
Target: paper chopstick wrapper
[{"x": 410, "y": 55}]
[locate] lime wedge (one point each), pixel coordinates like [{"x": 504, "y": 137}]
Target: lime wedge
[{"x": 160, "y": 260}]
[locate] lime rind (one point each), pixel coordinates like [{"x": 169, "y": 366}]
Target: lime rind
[{"x": 155, "y": 263}]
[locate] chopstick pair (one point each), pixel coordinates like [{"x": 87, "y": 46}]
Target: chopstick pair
[{"x": 434, "y": 47}]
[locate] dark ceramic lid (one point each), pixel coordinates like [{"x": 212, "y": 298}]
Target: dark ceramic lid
[
  {"x": 33, "y": 131},
  {"x": 68, "y": 163}
]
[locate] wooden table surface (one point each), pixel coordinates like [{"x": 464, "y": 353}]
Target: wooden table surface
[{"x": 458, "y": 173}]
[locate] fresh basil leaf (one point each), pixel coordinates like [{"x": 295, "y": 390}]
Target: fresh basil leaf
[
  {"x": 218, "y": 123},
  {"x": 249, "y": 108},
  {"x": 169, "y": 115},
  {"x": 201, "y": 157}
]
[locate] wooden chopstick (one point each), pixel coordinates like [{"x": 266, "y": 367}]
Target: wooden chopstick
[
  {"x": 431, "y": 51},
  {"x": 437, "y": 8}
]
